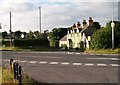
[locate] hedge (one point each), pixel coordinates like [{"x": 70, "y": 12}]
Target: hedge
[{"x": 29, "y": 42}]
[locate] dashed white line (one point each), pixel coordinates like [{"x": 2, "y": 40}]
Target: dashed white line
[
  {"x": 32, "y": 62},
  {"x": 65, "y": 63},
  {"x": 23, "y": 61},
  {"x": 43, "y": 62},
  {"x": 114, "y": 64},
  {"x": 101, "y": 64},
  {"x": 53, "y": 63},
  {"x": 77, "y": 64},
  {"x": 89, "y": 64}
]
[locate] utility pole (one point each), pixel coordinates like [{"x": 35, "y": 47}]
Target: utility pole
[
  {"x": 10, "y": 31},
  {"x": 113, "y": 25},
  {"x": 40, "y": 18}
]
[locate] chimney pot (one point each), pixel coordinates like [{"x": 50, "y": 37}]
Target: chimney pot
[
  {"x": 90, "y": 21},
  {"x": 78, "y": 24},
  {"x": 84, "y": 22}
]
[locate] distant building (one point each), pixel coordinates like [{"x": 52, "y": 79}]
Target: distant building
[
  {"x": 80, "y": 33},
  {"x": 63, "y": 41}
]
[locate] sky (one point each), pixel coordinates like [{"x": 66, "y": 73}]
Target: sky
[{"x": 55, "y": 14}]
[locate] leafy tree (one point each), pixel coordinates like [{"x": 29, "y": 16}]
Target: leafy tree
[
  {"x": 36, "y": 34},
  {"x": 4, "y": 34},
  {"x": 96, "y": 25},
  {"x": 18, "y": 34},
  {"x": 30, "y": 35},
  {"x": 55, "y": 35},
  {"x": 103, "y": 37}
]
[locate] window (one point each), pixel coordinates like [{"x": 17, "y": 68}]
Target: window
[{"x": 75, "y": 30}]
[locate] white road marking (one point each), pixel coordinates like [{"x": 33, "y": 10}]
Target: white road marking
[
  {"x": 89, "y": 64},
  {"x": 101, "y": 64},
  {"x": 114, "y": 64},
  {"x": 92, "y": 54},
  {"x": 65, "y": 63},
  {"x": 114, "y": 59},
  {"x": 70, "y": 53},
  {"x": 43, "y": 62},
  {"x": 105, "y": 58},
  {"x": 6, "y": 60},
  {"x": 77, "y": 53},
  {"x": 23, "y": 61},
  {"x": 76, "y": 63},
  {"x": 53, "y": 63},
  {"x": 15, "y": 60},
  {"x": 98, "y": 54},
  {"x": 32, "y": 62}
]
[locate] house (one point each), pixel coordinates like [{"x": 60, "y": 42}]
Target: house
[
  {"x": 63, "y": 41},
  {"x": 80, "y": 34}
]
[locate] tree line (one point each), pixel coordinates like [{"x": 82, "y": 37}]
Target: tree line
[{"x": 24, "y": 35}]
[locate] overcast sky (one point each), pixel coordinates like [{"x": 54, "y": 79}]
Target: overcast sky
[{"x": 25, "y": 14}]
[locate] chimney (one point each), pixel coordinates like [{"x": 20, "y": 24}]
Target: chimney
[
  {"x": 84, "y": 23},
  {"x": 90, "y": 21},
  {"x": 74, "y": 26},
  {"x": 78, "y": 24}
]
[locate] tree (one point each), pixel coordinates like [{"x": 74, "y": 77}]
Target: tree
[
  {"x": 55, "y": 35},
  {"x": 101, "y": 39},
  {"x": 30, "y": 35},
  {"x": 96, "y": 25},
  {"x": 4, "y": 34},
  {"x": 36, "y": 34},
  {"x": 18, "y": 34}
]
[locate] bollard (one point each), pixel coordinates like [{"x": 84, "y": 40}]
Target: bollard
[
  {"x": 16, "y": 71},
  {"x": 20, "y": 75},
  {"x": 11, "y": 64},
  {"x": 11, "y": 61}
]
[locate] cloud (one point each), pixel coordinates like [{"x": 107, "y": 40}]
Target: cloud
[{"x": 25, "y": 15}]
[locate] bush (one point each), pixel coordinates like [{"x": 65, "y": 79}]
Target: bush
[
  {"x": 82, "y": 48},
  {"x": 64, "y": 46},
  {"x": 102, "y": 39}
]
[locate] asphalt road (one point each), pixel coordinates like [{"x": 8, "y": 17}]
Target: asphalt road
[{"x": 67, "y": 67}]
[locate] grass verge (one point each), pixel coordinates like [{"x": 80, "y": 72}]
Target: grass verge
[
  {"x": 8, "y": 78},
  {"x": 105, "y": 51},
  {"x": 27, "y": 49}
]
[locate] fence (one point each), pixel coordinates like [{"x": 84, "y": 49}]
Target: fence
[{"x": 17, "y": 71}]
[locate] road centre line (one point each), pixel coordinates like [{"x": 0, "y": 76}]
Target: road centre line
[
  {"x": 53, "y": 63},
  {"x": 89, "y": 64},
  {"x": 65, "y": 63},
  {"x": 77, "y": 64},
  {"x": 101, "y": 64},
  {"x": 43, "y": 62},
  {"x": 32, "y": 62},
  {"x": 114, "y": 64}
]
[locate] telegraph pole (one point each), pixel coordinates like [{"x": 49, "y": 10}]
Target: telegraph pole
[
  {"x": 10, "y": 30},
  {"x": 113, "y": 25},
  {"x": 40, "y": 18}
]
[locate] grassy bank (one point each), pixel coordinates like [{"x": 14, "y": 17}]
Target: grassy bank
[
  {"x": 27, "y": 49},
  {"x": 8, "y": 78},
  {"x": 101, "y": 51},
  {"x": 105, "y": 51}
]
